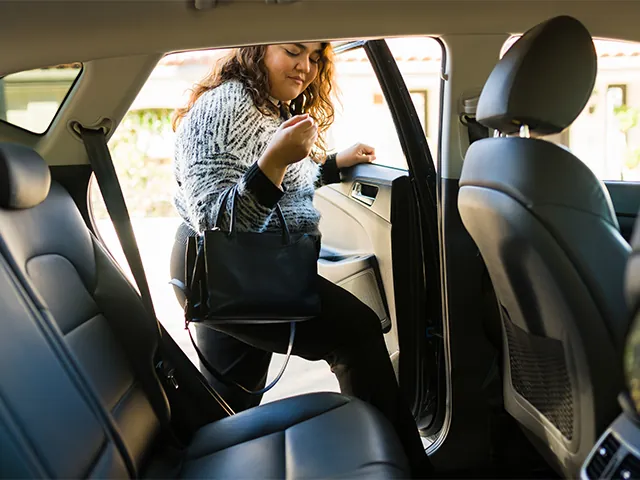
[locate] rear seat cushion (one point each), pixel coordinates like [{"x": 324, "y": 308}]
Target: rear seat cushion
[{"x": 310, "y": 436}]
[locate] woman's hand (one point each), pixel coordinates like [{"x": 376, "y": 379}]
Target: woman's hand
[
  {"x": 356, "y": 154},
  {"x": 291, "y": 143}
]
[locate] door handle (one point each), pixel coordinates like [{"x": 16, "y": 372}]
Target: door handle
[{"x": 364, "y": 193}]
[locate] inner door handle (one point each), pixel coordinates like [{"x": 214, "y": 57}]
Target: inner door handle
[{"x": 364, "y": 193}]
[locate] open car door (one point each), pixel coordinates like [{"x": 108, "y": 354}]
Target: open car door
[{"x": 380, "y": 241}]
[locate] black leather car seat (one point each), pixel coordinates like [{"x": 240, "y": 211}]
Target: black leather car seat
[
  {"x": 546, "y": 229},
  {"x": 79, "y": 394}
]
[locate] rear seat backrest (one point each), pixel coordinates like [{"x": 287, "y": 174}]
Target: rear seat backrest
[
  {"x": 97, "y": 311},
  {"x": 40, "y": 400}
]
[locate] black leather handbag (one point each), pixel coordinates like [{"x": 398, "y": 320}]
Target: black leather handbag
[{"x": 246, "y": 277}]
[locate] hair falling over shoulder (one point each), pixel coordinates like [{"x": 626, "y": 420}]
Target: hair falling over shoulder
[{"x": 246, "y": 64}]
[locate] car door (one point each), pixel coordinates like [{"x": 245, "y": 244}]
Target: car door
[
  {"x": 625, "y": 197},
  {"x": 380, "y": 241}
]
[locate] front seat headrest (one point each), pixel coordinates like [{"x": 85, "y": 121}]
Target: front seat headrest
[
  {"x": 543, "y": 81},
  {"x": 24, "y": 177}
]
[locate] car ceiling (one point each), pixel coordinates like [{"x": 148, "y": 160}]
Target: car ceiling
[{"x": 120, "y": 42}]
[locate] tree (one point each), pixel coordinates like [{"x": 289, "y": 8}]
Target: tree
[
  {"x": 628, "y": 118},
  {"x": 141, "y": 149}
]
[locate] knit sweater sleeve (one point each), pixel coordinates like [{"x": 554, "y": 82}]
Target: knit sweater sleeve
[
  {"x": 329, "y": 172},
  {"x": 212, "y": 157}
]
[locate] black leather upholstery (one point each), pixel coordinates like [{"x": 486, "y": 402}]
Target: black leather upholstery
[
  {"x": 544, "y": 80},
  {"x": 22, "y": 184},
  {"x": 95, "y": 308},
  {"x": 89, "y": 402},
  {"x": 48, "y": 425},
  {"x": 280, "y": 440},
  {"x": 547, "y": 232}
]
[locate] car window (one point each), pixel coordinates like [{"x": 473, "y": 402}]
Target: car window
[
  {"x": 606, "y": 135},
  {"x": 31, "y": 99},
  {"x": 142, "y": 151},
  {"x": 362, "y": 113}
]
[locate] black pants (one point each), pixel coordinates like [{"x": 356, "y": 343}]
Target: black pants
[{"x": 347, "y": 335}]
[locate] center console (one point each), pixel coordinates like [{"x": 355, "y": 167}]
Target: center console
[{"x": 616, "y": 455}]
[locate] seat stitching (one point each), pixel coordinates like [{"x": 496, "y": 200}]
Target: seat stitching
[
  {"x": 97, "y": 245},
  {"x": 83, "y": 323},
  {"x": 123, "y": 397},
  {"x": 265, "y": 434},
  {"x": 21, "y": 435},
  {"x": 75, "y": 269},
  {"x": 53, "y": 254}
]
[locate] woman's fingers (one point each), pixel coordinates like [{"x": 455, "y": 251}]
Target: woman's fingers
[
  {"x": 301, "y": 130},
  {"x": 307, "y": 124},
  {"x": 367, "y": 150},
  {"x": 295, "y": 120},
  {"x": 304, "y": 130}
]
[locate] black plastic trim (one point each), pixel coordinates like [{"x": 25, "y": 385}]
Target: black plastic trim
[{"x": 424, "y": 181}]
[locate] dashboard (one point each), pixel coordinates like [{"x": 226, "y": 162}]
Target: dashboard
[{"x": 616, "y": 455}]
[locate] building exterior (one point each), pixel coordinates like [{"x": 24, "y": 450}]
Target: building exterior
[{"x": 605, "y": 136}]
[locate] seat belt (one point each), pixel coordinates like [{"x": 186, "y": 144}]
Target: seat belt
[
  {"x": 95, "y": 143},
  {"x": 475, "y": 130}
]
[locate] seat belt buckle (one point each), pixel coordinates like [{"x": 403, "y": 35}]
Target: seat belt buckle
[{"x": 167, "y": 372}]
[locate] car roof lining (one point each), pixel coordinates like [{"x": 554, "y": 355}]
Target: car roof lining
[
  {"x": 82, "y": 31},
  {"x": 116, "y": 66}
]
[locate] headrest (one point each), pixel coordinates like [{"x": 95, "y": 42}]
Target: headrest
[
  {"x": 543, "y": 81},
  {"x": 24, "y": 177},
  {"x": 632, "y": 281}
]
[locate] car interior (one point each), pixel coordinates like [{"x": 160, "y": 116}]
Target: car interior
[{"x": 504, "y": 269}]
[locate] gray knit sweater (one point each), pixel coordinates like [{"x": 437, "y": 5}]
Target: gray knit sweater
[{"x": 217, "y": 146}]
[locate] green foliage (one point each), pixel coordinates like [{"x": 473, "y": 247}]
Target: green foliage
[
  {"x": 141, "y": 149},
  {"x": 628, "y": 118}
]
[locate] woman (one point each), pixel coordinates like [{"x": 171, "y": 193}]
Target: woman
[{"x": 258, "y": 122}]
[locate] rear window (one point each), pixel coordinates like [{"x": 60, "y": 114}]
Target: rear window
[{"x": 31, "y": 99}]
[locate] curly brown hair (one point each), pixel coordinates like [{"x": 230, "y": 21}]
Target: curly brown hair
[{"x": 246, "y": 64}]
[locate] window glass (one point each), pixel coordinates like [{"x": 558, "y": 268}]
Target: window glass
[
  {"x": 606, "y": 135},
  {"x": 362, "y": 113},
  {"x": 31, "y": 99},
  {"x": 142, "y": 152}
]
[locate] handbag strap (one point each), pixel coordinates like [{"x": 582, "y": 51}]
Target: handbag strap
[
  {"x": 230, "y": 383},
  {"x": 223, "y": 207},
  {"x": 286, "y": 236},
  {"x": 232, "y": 192},
  {"x": 195, "y": 306}
]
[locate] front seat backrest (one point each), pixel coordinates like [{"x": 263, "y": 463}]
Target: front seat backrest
[{"x": 546, "y": 229}]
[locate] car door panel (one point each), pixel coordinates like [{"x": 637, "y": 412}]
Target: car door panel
[
  {"x": 625, "y": 197},
  {"x": 359, "y": 274},
  {"x": 380, "y": 238},
  {"x": 356, "y": 238}
]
